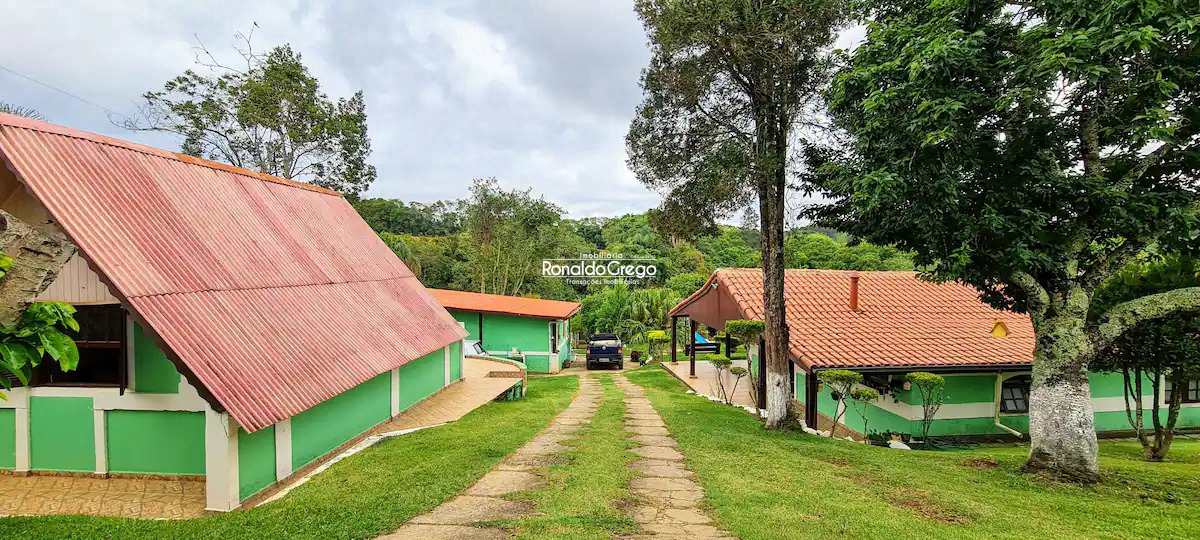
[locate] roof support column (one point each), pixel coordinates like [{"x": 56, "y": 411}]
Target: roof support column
[
  {"x": 283, "y": 449},
  {"x": 810, "y": 399},
  {"x": 220, "y": 462},
  {"x": 21, "y": 414},
  {"x": 692, "y": 352},
  {"x": 762, "y": 374},
  {"x": 100, "y": 433},
  {"x": 674, "y": 339}
]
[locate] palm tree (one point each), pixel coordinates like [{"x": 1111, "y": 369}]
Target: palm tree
[{"x": 19, "y": 110}]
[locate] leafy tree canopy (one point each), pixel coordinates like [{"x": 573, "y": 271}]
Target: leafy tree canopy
[
  {"x": 1030, "y": 149},
  {"x": 269, "y": 115}
]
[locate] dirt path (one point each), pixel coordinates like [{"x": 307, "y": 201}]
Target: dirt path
[
  {"x": 670, "y": 496},
  {"x": 523, "y": 470}
]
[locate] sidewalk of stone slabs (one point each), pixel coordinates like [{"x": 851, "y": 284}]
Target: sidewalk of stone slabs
[
  {"x": 670, "y": 496},
  {"x": 523, "y": 470}
]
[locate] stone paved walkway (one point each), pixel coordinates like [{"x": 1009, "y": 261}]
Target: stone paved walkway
[
  {"x": 86, "y": 495},
  {"x": 670, "y": 496},
  {"x": 523, "y": 470}
]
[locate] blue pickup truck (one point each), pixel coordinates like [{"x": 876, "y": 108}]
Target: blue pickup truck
[{"x": 604, "y": 350}]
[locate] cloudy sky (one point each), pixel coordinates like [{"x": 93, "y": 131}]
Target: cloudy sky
[{"x": 536, "y": 93}]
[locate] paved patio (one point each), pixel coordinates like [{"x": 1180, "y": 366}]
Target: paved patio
[
  {"x": 92, "y": 496},
  {"x": 483, "y": 380},
  {"x": 706, "y": 380}
]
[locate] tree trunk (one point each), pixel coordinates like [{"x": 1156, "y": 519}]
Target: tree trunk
[
  {"x": 37, "y": 258},
  {"x": 1062, "y": 430},
  {"x": 776, "y": 335}
]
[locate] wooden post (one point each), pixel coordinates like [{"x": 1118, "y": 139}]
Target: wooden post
[
  {"x": 762, "y": 374},
  {"x": 692, "y": 353},
  {"x": 728, "y": 346},
  {"x": 810, "y": 399},
  {"x": 674, "y": 337}
]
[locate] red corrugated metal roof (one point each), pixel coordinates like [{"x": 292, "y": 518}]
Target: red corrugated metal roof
[
  {"x": 507, "y": 305},
  {"x": 272, "y": 295},
  {"x": 902, "y": 320}
]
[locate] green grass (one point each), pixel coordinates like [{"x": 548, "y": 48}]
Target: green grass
[
  {"x": 362, "y": 496},
  {"x": 585, "y": 496},
  {"x": 764, "y": 484}
]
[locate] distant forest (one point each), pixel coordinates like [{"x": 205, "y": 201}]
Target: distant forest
[{"x": 493, "y": 241}]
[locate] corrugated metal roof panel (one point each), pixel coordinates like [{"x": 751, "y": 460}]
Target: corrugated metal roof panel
[{"x": 274, "y": 295}]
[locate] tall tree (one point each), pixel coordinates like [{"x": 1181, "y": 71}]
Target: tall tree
[
  {"x": 268, "y": 115},
  {"x": 1029, "y": 149},
  {"x": 729, "y": 82},
  {"x": 510, "y": 232}
]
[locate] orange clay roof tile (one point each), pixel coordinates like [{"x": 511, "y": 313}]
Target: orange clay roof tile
[{"x": 902, "y": 321}]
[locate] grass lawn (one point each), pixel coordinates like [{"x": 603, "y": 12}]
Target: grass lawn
[
  {"x": 764, "y": 484},
  {"x": 584, "y": 495},
  {"x": 362, "y": 496}
]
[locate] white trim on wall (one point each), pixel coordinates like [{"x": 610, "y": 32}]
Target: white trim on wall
[
  {"x": 110, "y": 398},
  {"x": 957, "y": 411},
  {"x": 100, "y": 434},
  {"x": 283, "y": 449},
  {"x": 220, "y": 462},
  {"x": 21, "y": 415},
  {"x": 395, "y": 392},
  {"x": 445, "y": 368}
]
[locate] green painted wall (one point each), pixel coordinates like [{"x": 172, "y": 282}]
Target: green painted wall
[
  {"x": 155, "y": 442},
  {"x": 8, "y": 438},
  {"x": 256, "y": 461},
  {"x": 470, "y": 320},
  {"x": 456, "y": 360},
  {"x": 153, "y": 372},
  {"x": 61, "y": 434},
  {"x": 538, "y": 363},
  {"x": 980, "y": 388},
  {"x": 326, "y": 426},
  {"x": 501, "y": 333},
  {"x": 564, "y": 342},
  {"x": 421, "y": 378}
]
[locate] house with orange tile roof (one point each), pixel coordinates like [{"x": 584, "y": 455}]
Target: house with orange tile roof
[
  {"x": 235, "y": 327},
  {"x": 887, "y": 324},
  {"x": 534, "y": 330}
]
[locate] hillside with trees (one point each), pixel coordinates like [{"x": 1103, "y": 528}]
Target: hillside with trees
[{"x": 494, "y": 240}]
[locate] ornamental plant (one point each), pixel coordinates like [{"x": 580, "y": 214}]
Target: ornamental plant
[
  {"x": 932, "y": 389},
  {"x": 747, "y": 332},
  {"x": 861, "y": 398},
  {"x": 840, "y": 382}
]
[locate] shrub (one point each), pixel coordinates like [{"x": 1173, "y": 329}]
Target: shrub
[
  {"x": 840, "y": 382},
  {"x": 931, "y": 387}
]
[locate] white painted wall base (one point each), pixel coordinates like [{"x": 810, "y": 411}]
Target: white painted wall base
[
  {"x": 100, "y": 432},
  {"x": 22, "y": 438},
  {"x": 283, "y": 449},
  {"x": 220, "y": 462}
]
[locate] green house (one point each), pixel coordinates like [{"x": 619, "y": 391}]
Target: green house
[
  {"x": 887, "y": 324},
  {"x": 234, "y": 327},
  {"x": 535, "y": 330}
]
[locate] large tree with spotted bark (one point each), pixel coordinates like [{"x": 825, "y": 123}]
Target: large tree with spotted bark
[
  {"x": 730, "y": 86},
  {"x": 1030, "y": 149}
]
